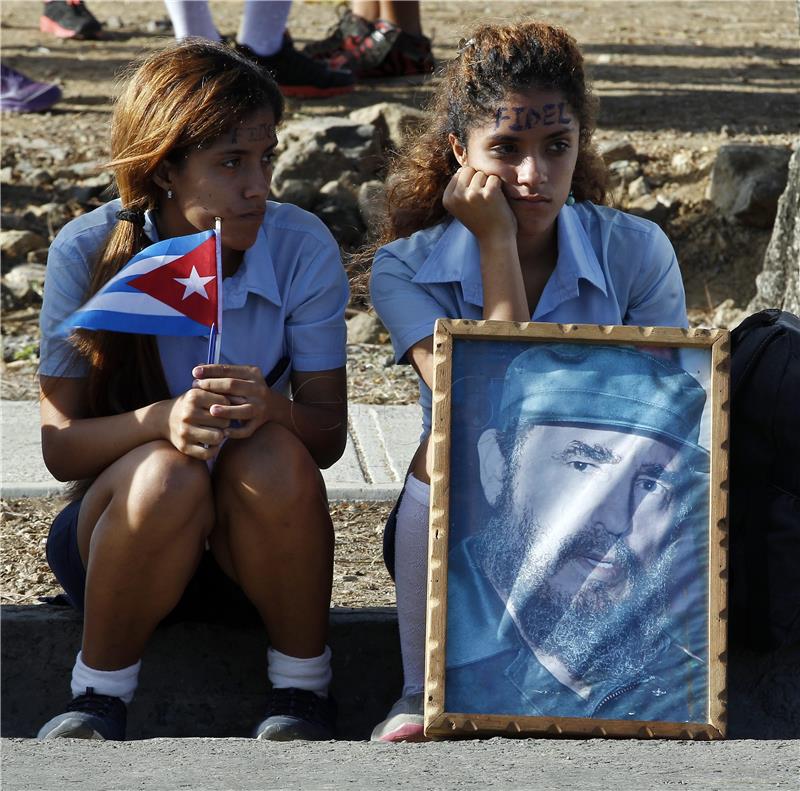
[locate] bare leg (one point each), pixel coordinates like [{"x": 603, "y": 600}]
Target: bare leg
[
  {"x": 275, "y": 536},
  {"x": 141, "y": 532},
  {"x": 403, "y": 13},
  {"x": 367, "y": 9}
]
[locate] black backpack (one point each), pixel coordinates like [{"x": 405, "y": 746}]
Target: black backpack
[{"x": 765, "y": 481}]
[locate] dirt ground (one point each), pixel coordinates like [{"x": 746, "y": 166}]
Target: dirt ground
[{"x": 677, "y": 79}]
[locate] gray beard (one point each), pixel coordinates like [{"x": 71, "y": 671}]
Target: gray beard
[{"x": 598, "y": 635}]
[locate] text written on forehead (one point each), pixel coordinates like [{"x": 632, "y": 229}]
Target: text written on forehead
[
  {"x": 529, "y": 117},
  {"x": 252, "y": 134}
]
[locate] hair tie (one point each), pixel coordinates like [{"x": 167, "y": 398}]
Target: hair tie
[{"x": 131, "y": 215}]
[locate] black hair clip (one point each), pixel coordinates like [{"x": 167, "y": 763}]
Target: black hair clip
[{"x": 131, "y": 215}]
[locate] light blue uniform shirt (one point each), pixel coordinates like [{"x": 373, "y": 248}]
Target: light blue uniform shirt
[
  {"x": 286, "y": 300},
  {"x": 612, "y": 268}
]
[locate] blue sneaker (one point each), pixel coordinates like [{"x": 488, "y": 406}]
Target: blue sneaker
[
  {"x": 294, "y": 714},
  {"x": 89, "y": 716}
]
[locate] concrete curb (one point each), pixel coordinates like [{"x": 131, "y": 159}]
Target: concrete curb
[{"x": 209, "y": 679}]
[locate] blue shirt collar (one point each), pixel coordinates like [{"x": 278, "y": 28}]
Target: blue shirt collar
[
  {"x": 455, "y": 258},
  {"x": 256, "y": 272}
]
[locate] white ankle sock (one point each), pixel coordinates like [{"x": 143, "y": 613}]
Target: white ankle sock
[
  {"x": 263, "y": 25},
  {"x": 192, "y": 18},
  {"x": 411, "y": 580},
  {"x": 313, "y": 674},
  {"x": 117, "y": 683}
]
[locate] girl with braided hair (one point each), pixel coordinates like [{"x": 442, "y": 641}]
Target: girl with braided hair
[
  {"x": 497, "y": 211},
  {"x": 200, "y": 487}
]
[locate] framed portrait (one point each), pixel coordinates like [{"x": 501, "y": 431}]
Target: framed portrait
[{"x": 577, "y": 554}]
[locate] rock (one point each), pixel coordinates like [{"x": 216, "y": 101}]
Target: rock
[
  {"x": 358, "y": 143},
  {"x": 727, "y": 315},
  {"x": 778, "y": 285},
  {"x": 746, "y": 182},
  {"x": 392, "y": 120},
  {"x": 113, "y": 23},
  {"x": 40, "y": 178},
  {"x": 624, "y": 171},
  {"x": 365, "y": 328},
  {"x": 159, "y": 26},
  {"x": 301, "y": 192},
  {"x": 310, "y": 161},
  {"x": 86, "y": 189},
  {"x": 681, "y": 163},
  {"x": 617, "y": 150},
  {"x": 652, "y": 207},
  {"x": 38, "y": 256},
  {"x": 15, "y": 222},
  {"x": 338, "y": 209},
  {"x": 6, "y": 173},
  {"x": 15, "y": 245},
  {"x": 372, "y": 204},
  {"x": 25, "y": 282},
  {"x": 638, "y": 187}
]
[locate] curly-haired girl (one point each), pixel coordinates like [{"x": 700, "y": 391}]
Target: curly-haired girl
[{"x": 495, "y": 212}]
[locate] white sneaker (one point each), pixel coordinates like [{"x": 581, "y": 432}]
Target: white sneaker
[{"x": 403, "y": 723}]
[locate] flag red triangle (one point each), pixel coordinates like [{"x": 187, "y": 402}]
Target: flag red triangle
[{"x": 161, "y": 284}]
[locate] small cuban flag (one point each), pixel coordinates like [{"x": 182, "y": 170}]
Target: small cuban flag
[{"x": 171, "y": 287}]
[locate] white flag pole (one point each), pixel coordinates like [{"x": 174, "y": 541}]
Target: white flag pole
[{"x": 218, "y": 240}]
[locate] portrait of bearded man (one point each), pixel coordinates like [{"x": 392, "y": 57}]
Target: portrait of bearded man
[{"x": 561, "y": 604}]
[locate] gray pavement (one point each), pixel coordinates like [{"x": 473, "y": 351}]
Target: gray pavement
[
  {"x": 540, "y": 764},
  {"x": 381, "y": 442}
]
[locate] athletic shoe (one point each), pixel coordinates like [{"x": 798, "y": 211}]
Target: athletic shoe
[
  {"x": 89, "y": 716},
  {"x": 298, "y": 75},
  {"x": 294, "y": 714},
  {"x": 386, "y": 51},
  {"x": 345, "y": 34},
  {"x": 68, "y": 19},
  {"x": 20, "y": 94},
  {"x": 403, "y": 723}
]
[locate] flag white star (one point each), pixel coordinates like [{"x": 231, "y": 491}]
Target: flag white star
[{"x": 194, "y": 284}]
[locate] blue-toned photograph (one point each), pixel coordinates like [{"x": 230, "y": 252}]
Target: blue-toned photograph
[{"x": 577, "y": 580}]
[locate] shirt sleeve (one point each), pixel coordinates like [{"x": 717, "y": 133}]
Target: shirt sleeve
[
  {"x": 657, "y": 298},
  {"x": 407, "y": 310},
  {"x": 316, "y": 332},
  {"x": 65, "y": 286}
]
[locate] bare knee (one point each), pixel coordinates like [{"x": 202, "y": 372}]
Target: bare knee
[
  {"x": 168, "y": 492},
  {"x": 272, "y": 465}
]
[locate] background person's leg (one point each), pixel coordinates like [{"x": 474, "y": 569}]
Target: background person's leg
[
  {"x": 192, "y": 18},
  {"x": 263, "y": 25}
]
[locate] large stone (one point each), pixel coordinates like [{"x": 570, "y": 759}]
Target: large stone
[
  {"x": 357, "y": 142},
  {"x": 372, "y": 204},
  {"x": 365, "y": 328},
  {"x": 778, "y": 285},
  {"x": 616, "y": 151},
  {"x": 25, "y": 281},
  {"x": 392, "y": 120},
  {"x": 15, "y": 245},
  {"x": 338, "y": 209},
  {"x": 624, "y": 171},
  {"x": 746, "y": 182},
  {"x": 301, "y": 192},
  {"x": 310, "y": 160},
  {"x": 651, "y": 207}
]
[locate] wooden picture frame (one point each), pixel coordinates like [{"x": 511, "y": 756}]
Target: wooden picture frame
[{"x": 509, "y": 616}]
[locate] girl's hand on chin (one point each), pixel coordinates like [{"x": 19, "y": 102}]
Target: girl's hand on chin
[
  {"x": 245, "y": 394},
  {"x": 478, "y": 202}
]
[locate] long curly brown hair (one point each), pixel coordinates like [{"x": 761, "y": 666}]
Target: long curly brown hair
[{"x": 494, "y": 61}]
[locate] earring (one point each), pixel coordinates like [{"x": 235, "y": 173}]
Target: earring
[
  {"x": 169, "y": 195},
  {"x": 570, "y": 199}
]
